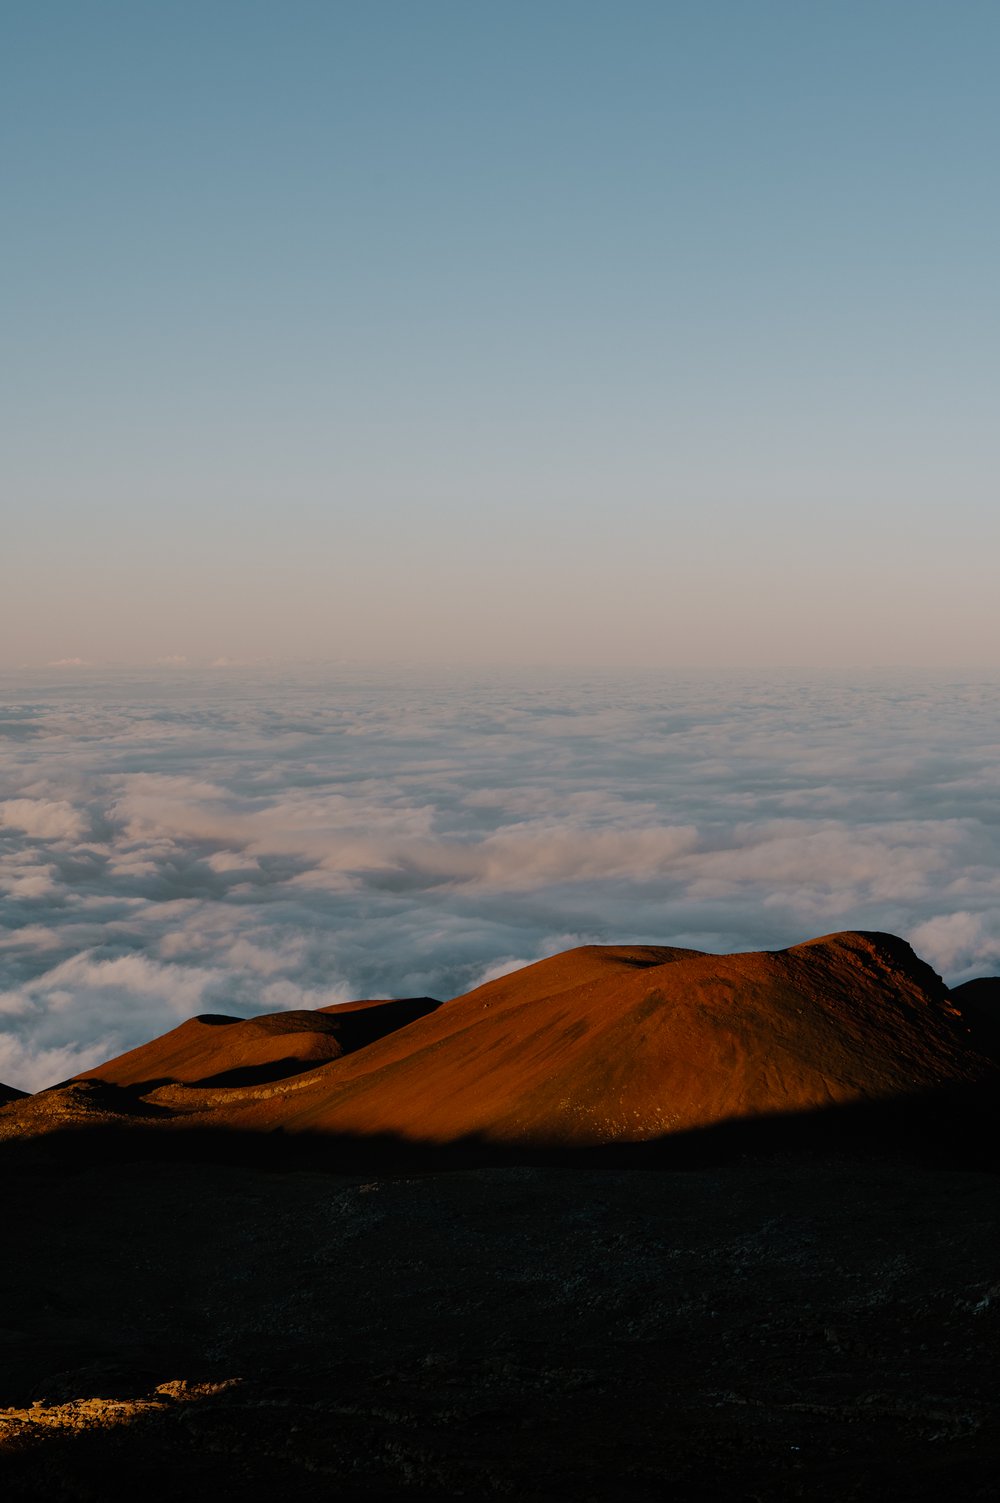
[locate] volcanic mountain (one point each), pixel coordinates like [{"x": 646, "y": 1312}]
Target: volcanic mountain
[{"x": 597, "y": 1046}]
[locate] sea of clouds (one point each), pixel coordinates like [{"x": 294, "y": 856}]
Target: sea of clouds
[{"x": 246, "y": 840}]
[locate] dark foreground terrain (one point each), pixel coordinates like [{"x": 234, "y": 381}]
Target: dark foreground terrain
[
  {"x": 772, "y": 1328},
  {"x": 632, "y": 1223}
]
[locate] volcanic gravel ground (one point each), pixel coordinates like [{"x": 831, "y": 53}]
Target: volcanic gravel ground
[{"x": 788, "y": 1329}]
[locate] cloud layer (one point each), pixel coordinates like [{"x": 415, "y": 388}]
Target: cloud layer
[{"x": 189, "y": 843}]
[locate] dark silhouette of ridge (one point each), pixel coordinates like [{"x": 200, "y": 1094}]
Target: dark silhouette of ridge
[
  {"x": 359, "y": 1024},
  {"x": 10, "y": 1093},
  {"x": 979, "y": 1004}
]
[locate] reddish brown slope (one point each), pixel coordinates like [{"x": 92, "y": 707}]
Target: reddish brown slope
[
  {"x": 603, "y": 1045},
  {"x": 218, "y": 1050}
]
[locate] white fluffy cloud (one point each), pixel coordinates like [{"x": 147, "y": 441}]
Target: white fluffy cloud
[
  {"x": 948, "y": 939},
  {"x": 45, "y": 819},
  {"x": 172, "y": 847}
]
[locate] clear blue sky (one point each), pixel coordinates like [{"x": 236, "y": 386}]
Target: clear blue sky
[{"x": 549, "y": 331}]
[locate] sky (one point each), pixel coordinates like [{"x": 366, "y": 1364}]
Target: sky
[
  {"x": 551, "y": 333},
  {"x": 180, "y": 841}
]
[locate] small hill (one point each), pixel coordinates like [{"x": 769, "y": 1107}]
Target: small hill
[
  {"x": 218, "y": 1050},
  {"x": 10, "y": 1093}
]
